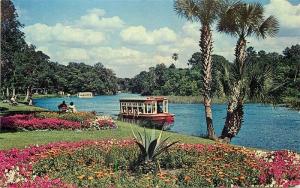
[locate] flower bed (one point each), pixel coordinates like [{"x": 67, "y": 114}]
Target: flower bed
[
  {"x": 103, "y": 122},
  {"x": 30, "y": 122},
  {"x": 108, "y": 163},
  {"x": 78, "y": 116}
]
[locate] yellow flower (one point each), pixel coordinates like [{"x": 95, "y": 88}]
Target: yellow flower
[
  {"x": 90, "y": 178},
  {"x": 187, "y": 178},
  {"x": 81, "y": 177}
]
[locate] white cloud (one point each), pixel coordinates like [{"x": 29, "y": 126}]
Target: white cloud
[
  {"x": 287, "y": 13},
  {"x": 139, "y": 35},
  {"x": 95, "y": 20},
  {"x": 130, "y": 49},
  {"x": 62, "y": 34},
  {"x": 96, "y": 11}
]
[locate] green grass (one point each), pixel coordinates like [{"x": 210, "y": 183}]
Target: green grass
[
  {"x": 192, "y": 99},
  {"x": 22, "y": 139},
  {"x": 7, "y": 108},
  {"x": 38, "y": 96}
]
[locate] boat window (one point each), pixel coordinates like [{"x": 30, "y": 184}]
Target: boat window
[
  {"x": 165, "y": 106},
  {"x": 159, "y": 107},
  {"x": 154, "y": 108}
]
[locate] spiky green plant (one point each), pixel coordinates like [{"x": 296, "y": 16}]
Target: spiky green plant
[{"x": 150, "y": 148}]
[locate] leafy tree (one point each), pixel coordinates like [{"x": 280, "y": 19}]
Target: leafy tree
[
  {"x": 242, "y": 20},
  {"x": 12, "y": 41}
]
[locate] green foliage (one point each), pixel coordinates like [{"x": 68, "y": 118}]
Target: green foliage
[
  {"x": 150, "y": 149},
  {"x": 78, "y": 117}
]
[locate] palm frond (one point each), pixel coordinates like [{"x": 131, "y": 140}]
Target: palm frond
[
  {"x": 228, "y": 22},
  {"x": 187, "y": 9},
  {"x": 259, "y": 82},
  {"x": 205, "y": 11},
  {"x": 269, "y": 27}
]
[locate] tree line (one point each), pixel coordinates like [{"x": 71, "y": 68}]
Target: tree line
[
  {"x": 25, "y": 69},
  {"x": 280, "y": 79}
]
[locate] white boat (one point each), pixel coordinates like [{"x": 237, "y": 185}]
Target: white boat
[{"x": 85, "y": 95}]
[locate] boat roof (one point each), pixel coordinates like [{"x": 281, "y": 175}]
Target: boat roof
[{"x": 143, "y": 99}]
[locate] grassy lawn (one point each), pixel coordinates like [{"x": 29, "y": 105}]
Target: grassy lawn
[
  {"x": 7, "y": 108},
  {"x": 21, "y": 139}
]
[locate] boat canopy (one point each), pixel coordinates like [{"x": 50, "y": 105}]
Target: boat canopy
[
  {"x": 85, "y": 94},
  {"x": 145, "y": 106}
]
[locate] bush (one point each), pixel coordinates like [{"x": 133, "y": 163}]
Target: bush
[
  {"x": 102, "y": 122},
  {"x": 28, "y": 122},
  {"x": 31, "y": 122},
  {"x": 78, "y": 116}
]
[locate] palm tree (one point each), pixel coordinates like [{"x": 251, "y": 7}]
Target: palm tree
[
  {"x": 175, "y": 56},
  {"x": 242, "y": 20},
  {"x": 205, "y": 12}
]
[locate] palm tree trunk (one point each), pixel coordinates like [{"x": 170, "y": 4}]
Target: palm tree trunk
[
  {"x": 235, "y": 108},
  {"x": 206, "y": 61}
]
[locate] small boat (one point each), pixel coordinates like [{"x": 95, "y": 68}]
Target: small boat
[
  {"x": 85, "y": 94},
  {"x": 154, "y": 109}
]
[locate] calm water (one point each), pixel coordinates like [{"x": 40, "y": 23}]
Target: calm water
[{"x": 264, "y": 126}]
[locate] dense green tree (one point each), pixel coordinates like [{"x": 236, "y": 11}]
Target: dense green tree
[{"x": 12, "y": 41}]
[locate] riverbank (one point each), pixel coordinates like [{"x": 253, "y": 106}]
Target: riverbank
[
  {"x": 192, "y": 100},
  {"x": 6, "y": 108}
]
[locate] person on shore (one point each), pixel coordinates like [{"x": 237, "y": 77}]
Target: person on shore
[
  {"x": 72, "y": 108},
  {"x": 13, "y": 100},
  {"x": 30, "y": 100},
  {"x": 62, "y": 107}
]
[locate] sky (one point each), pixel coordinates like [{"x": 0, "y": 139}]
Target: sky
[{"x": 130, "y": 36}]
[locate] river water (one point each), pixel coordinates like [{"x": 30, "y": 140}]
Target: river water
[{"x": 264, "y": 126}]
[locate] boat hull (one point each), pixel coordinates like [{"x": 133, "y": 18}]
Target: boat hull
[{"x": 154, "y": 117}]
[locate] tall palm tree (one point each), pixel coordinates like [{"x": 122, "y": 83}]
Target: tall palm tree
[
  {"x": 242, "y": 20},
  {"x": 205, "y": 12}
]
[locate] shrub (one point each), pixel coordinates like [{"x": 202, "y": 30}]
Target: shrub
[
  {"x": 31, "y": 122},
  {"x": 103, "y": 122},
  {"x": 280, "y": 168},
  {"x": 28, "y": 122},
  {"x": 78, "y": 116},
  {"x": 150, "y": 149}
]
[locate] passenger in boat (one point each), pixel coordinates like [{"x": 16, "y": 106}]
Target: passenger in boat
[
  {"x": 159, "y": 108},
  {"x": 72, "y": 108},
  {"x": 63, "y": 107}
]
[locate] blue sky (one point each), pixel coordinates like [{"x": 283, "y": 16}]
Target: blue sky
[{"x": 132, "y": 35}]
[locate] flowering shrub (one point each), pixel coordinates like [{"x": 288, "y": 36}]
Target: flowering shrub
[
  {"x": 103, "y": 122},
  {"x": 29, "y": 122},
  {"x": 78, "y": 116},
  {"x": 280, "y": 168},
  {"x": 107, "y": 163}
]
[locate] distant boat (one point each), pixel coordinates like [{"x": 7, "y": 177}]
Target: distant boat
[
  {"x": 85, "y": 95},
  {"x": 153, "y": 109}
]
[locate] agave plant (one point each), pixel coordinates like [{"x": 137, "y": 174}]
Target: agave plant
[{"x": 150, "y": 149}]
